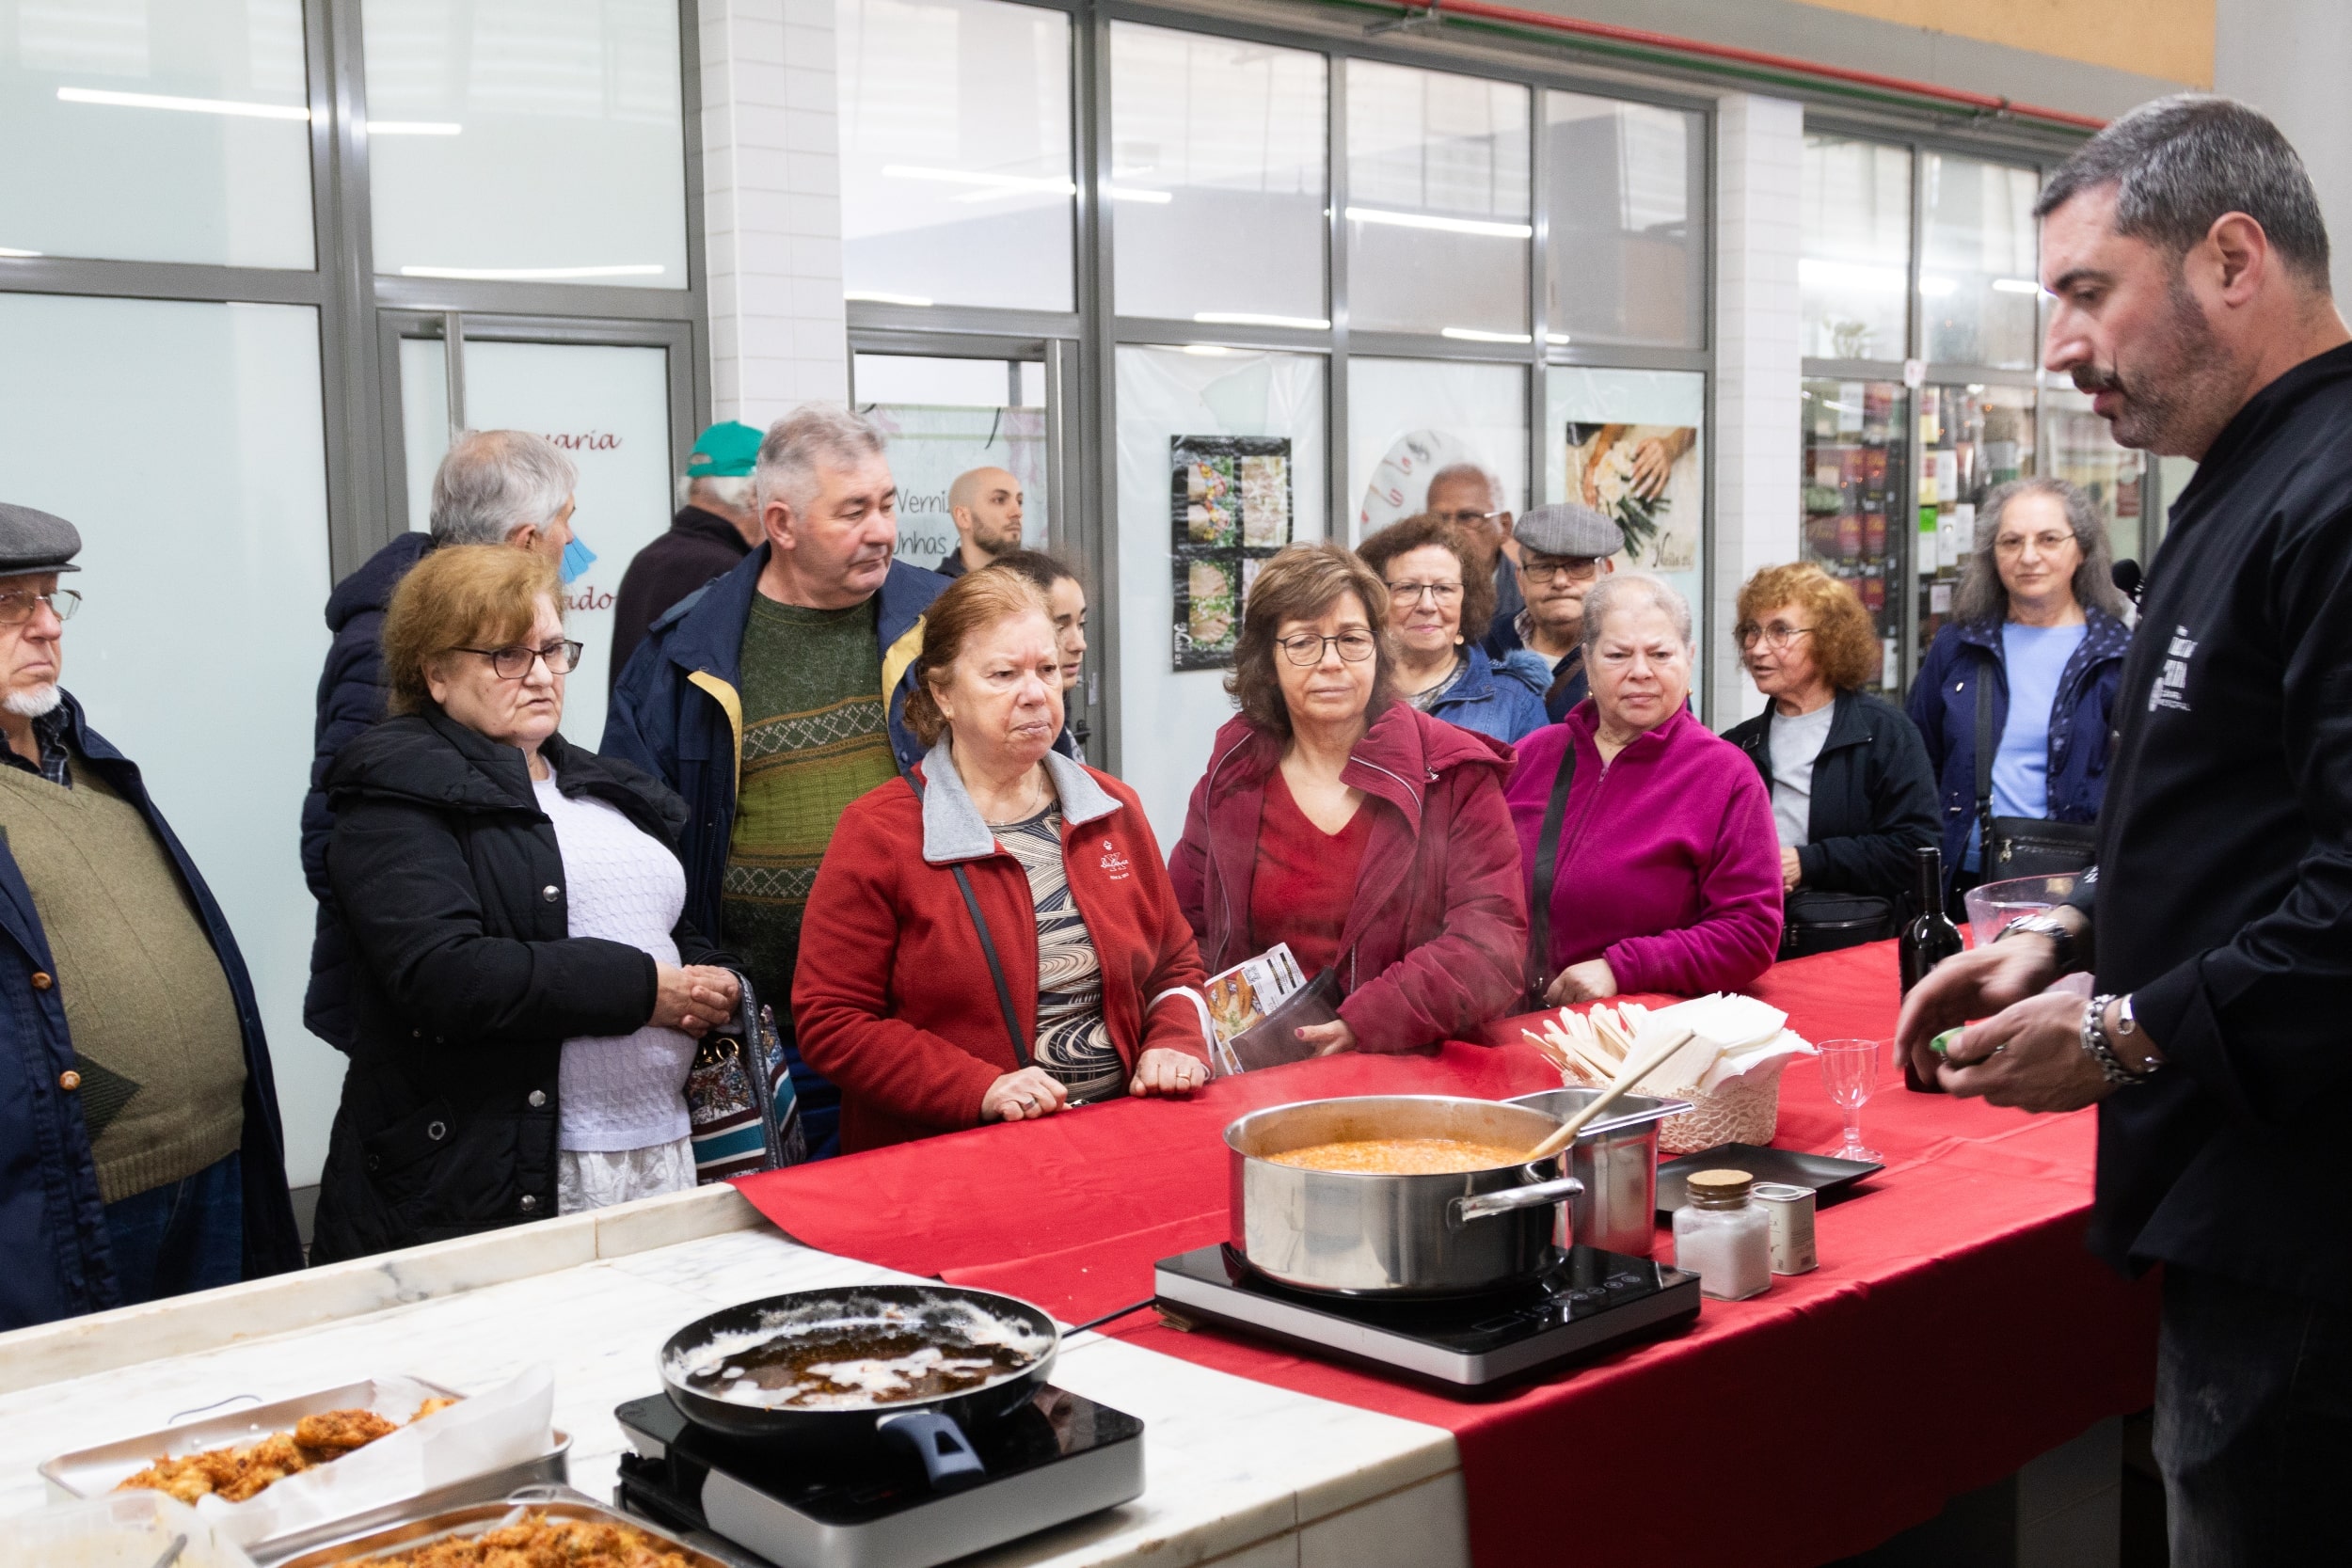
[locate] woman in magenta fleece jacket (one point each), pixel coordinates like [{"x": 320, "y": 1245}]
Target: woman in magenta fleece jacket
[{"x": 1668, "y": 874}]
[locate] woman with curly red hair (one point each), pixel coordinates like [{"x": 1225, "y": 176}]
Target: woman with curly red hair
[{"x": 1853, "y": 799}]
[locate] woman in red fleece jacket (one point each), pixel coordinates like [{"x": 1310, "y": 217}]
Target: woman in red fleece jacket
[
  {"x": 1370, "y": 836},
  {"x": 893, "y": 999},
  {"x": 1667, "y": 875}
]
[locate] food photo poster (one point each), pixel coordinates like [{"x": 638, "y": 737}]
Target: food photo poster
[{"x": 1229, "y": 511}]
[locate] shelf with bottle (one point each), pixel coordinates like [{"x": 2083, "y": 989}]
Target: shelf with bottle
[
  {"x": 1853, "y": 498},
  {"x": 1973, "y": 439}
]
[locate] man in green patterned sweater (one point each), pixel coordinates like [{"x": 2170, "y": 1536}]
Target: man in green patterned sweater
[{"x": 771, "y": 699}]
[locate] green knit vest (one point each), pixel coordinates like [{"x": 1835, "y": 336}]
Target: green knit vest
[{"x": 156, "y": 1036}]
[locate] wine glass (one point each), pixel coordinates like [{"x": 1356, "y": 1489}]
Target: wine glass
[{"x": 1851, "y": 1069}]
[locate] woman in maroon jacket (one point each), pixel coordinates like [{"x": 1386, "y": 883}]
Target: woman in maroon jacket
[
  {"x": 1370, "y": 837},
  {"x": 894, "y": 998}
]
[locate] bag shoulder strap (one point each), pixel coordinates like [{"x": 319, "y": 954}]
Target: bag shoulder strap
[
  {"x": 988, "y": 947},
  {"x": 1547, "y": 874},
  {"x": 1987, "y": 743}
]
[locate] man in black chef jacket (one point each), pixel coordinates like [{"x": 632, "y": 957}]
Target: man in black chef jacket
[{"x": 2187, "y": 253}]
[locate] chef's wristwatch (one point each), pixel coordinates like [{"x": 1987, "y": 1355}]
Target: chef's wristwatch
[{"x": 2061, "y": 934}]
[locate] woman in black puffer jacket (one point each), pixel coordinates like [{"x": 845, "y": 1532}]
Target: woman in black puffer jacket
[{"x": 449, "y": 869}]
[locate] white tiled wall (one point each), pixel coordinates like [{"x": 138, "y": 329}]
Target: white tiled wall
[
  {"x": 1759, "y": 162},
  {"x": 771, "y": 194}
]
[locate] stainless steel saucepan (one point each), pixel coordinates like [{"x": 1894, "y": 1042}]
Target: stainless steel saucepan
[{"x": 1372, "y": 1235}]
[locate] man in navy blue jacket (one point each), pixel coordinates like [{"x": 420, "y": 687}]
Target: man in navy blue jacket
[
  {"x": 774, "y": 696},
  {"x": 140, "y": 1154},
  {"x": 2189, "y": 259}
]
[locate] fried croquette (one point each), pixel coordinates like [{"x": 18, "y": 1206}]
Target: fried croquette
[
  {"x": 235, "y": 1474},
  {"x": 538, "y": 1542}
]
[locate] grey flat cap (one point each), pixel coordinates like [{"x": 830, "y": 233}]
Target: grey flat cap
[
  {"x": 33, "y": 540},
  {"x": 1565, "y": 528}
]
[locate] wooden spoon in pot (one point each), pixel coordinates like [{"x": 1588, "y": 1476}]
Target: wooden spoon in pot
[{"x": 1633, "y": 1073}]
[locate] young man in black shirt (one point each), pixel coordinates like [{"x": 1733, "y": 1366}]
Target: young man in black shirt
[{"x": 2187, "y": 253}]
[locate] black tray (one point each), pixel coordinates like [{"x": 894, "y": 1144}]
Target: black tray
[{"x": 1829, "y": 1178}]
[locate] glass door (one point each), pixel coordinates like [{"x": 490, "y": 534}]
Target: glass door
[
  {"x": 616, "y": 400},
  {"x": 946, "y": 416}
]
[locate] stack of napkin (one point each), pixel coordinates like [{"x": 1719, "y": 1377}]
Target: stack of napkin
[{"x": 1734, "y": 1039}]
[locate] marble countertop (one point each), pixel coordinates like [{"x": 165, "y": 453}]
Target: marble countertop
[{"x": 1239, "y": 1473}]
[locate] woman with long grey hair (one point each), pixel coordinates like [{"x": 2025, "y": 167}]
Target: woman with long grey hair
[{"x": 2037, "y": 622}]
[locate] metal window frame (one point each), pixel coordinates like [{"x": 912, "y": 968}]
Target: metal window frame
[
  {"x": 365, "y": 464},
  {"x": 1088, "y": 338}
]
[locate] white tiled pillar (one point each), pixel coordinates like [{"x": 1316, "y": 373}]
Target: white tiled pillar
[
  {"x": 1759, "y": 157},
  {"x": 772, "y": 206}
]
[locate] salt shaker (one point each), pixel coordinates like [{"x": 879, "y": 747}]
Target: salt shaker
[{"x": 1722, "y": 1238}]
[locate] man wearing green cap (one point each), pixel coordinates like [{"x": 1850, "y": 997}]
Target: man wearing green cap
[{"x": 716, "y": 526}]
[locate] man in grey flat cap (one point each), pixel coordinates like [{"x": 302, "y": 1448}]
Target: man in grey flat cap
[
  {"x": 1564, "y": 549},
  {"x": 142, "y": 1156}
]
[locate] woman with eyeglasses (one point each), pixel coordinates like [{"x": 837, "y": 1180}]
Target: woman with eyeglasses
[
  {"x": 1853, "y": 800},
  {"x": 1346, "y": 822},
  {"x": 2038, "y": 633},
  {"x": 529, "y": 994},
  {"x": 1440, "y": 605}
]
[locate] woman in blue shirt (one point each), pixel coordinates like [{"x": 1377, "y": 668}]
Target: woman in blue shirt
[{"x": 2037, "y": 614}]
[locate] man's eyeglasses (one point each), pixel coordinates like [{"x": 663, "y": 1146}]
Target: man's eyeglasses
[
  {"x": 1780, "y": 634},
  {"x": 1465, "y": 519},
  {"x": 1550, "y": 568},
  {"x": 513, "y": 664},
  {"x": 1356, "y": 646},
  {"x": 1410, "y": 592},
  {"x": 16, "y": 605}
]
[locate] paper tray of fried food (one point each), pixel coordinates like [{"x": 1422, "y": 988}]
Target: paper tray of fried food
[
  {"x": 542, "y": 1524},
  {"x": 280, "y": 1476}
]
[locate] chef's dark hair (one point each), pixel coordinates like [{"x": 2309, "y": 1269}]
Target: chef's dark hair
[{"x": 2180, "y": 162}]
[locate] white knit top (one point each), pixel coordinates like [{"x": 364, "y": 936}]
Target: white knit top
[{"x": 619, "y": 1091}]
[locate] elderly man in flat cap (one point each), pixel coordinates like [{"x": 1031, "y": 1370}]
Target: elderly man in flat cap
[
  {"x": 140, "y": 1154},
  {"x": 1564, "y": 549}
]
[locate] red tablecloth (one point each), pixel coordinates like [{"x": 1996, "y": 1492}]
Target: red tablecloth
[{"x": 1955, "y": 1329}]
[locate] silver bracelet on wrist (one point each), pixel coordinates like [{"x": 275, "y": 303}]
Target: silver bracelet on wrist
[{"x": 2101, "y": 1050}]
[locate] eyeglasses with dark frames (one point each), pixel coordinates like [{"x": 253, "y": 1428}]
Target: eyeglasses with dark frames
[
  {"x": 1546, "y": 568},
  {"x": 1355, "y": 646},
  {"x": 513, "y": 663}
]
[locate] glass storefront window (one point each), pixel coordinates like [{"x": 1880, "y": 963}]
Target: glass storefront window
[
  {"x": 956, "y": 182},
  {"x": 527, "y": 143},
  {"x": 1438, "y": 226},
  {"x": 1854, "y": 505},
  {"x": 1175, "y": 407},
  {"x": 1854, "y": 214},
  {"x": 1631, "y": 445},
  {"x": 199, "y": 645},
  {"x": 1971, "y": 439},
  {"x": 1219, "y": 178},
  {"x": 1978, "y": 288},
  {"x": 1623, "y": 262},
  {"x": 1408, "y": 419},
  {"x": 175, "y": 133},
  {"x": 2117, "y": 479}
]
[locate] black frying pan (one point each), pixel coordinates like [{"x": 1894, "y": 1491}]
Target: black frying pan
[{"x": 860, "y": 1324}]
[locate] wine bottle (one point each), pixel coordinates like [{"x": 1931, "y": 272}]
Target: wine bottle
[{"x": 1928, "y": 940}]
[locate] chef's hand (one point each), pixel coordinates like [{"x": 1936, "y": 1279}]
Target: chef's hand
[
  {"x": 1791, "y": 871},
  {"x": 1970, "y": 984},
  {"x": 692, "y": 999},
  {"x": 1161, "y": 1070},
  {"x": 1023, "y": 1096},
  {"x": 1589, "y": 981},
  {"x": 2029, "y": 1055},
  {"x": 1328, "y": 1039}
]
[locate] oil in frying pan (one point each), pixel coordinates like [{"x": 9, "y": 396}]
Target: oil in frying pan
[{"x": 856, "y": 1355}]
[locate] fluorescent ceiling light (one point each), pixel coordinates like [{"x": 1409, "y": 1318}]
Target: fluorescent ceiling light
[
  {"x": 995, "y": 184},
  {"x": 525, "y": 275},
  {"x": 1472, "y": 334},
  {"x": 191, "y": 105},
  {"x": 414, "y": 128},
  {"x": 1451, "y": 226},
  {"x": 869, "y": 296},
  {"x": 1253, "y": 318},
  {"x": 1936, "y": 288},
  {"x": 1207, "y": 351},
  {"x": 1815, "y": 274},
  {"x": 1137, "y": 193},
  {"x": 2017, "y": 286},
  {"x": 11, "y": 250},
  {"x": 1557, "y": 339}
]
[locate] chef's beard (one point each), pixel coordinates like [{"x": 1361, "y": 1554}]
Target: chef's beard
[
  {"x": 2165, "y": 392},
  {"x": 37, "y": 702}
]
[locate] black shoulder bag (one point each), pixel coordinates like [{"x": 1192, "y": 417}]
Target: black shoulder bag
[
  {"x": 2021, "y": 846},
  {"x": 1547, "y": 874},
  {"x": 988, "y": 947}
]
